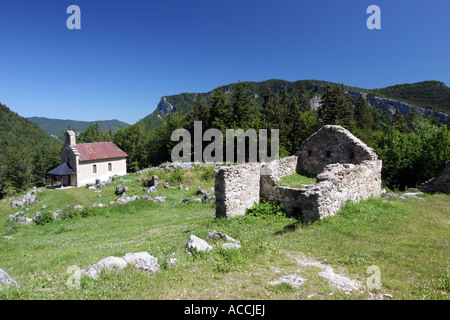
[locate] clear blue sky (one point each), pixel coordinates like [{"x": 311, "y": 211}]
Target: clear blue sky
[{"x": 128, "y": 54}]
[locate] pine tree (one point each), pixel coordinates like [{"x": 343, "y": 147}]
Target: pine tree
[
  {"x": 108, "y": 135},
  {"x": 284, "y": 122},
  {"x": 269, "y": 108},
  {"x": 335, "y": 107},
  {"x": 327, "y": 111},
  {"x": 93, "y": 133},
  {"x": 201, "y": 110},
  {"x": 363, "y": 115},
  {"x": 218, "y": 112},
  {"x": 242, "y": 107},
  {"x": 398, "y": 121},
  {"x": 305, "y": 100}
]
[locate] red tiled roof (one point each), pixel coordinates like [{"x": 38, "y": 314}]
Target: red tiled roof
[{"x": 99, "y": 150}]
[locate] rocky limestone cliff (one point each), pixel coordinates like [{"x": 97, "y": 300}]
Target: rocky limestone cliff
[
  {"x": 385, "y": 103},
  {"x": 165, "y": 107},
  {"x": 390, "y": 105}
]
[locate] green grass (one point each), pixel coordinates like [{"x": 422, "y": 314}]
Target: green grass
[
  {"x": 406, "y": 239},
  {"x": 296, "y": 181}
]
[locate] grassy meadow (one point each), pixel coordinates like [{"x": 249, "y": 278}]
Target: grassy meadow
[{"x": 406, "y": 238}]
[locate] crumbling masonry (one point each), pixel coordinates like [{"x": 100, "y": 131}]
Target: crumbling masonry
[{"x": 345, "y": 169}]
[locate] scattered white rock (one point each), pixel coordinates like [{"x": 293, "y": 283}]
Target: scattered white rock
[
  {"x": 24, "y": 220},
  {"x": 406, "y": 195},
  {"x": 230, "y": 245},
  {"x": 142, "y": 260},
  {"x": 338, "y": 281},
  {"x": 292, "y": 279},
  {"x": 110, "y": 263},
  {"x": 218, "y": 235},
  {"x": 6, "y": 280},
  {"x": 195, "y": 243}
]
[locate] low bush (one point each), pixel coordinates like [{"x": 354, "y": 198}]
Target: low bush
[
  {"x": 70, "y": 213},
  {"x": 266, "y": 209},
  {"x": 44, "y": 218}
]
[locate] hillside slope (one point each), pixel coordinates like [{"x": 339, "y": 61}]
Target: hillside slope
[
  {"x": 26, "y": 152},
  {"x": 427, "y": 94},
  {"x": 405, "y": 238}
]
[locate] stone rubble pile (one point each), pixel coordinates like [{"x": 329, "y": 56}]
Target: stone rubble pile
[{"x": 27, "y": 199}]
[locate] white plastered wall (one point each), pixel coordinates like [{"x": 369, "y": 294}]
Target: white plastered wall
[{"x": 86, "y": 174}]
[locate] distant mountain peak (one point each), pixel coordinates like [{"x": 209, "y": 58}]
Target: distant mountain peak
[{"x": 165, "y": 107}]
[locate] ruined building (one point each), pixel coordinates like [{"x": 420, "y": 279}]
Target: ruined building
[{"x": 345, "y": 169}]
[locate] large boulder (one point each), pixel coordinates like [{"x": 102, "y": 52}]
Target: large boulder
[
  {"x": 196, "y": 244},
  {"x": 142, "y": 260},
  {"x": 121, "y": 190},
  {"x": 152, "y": 182},
  {"x": 110, "y": 263}
]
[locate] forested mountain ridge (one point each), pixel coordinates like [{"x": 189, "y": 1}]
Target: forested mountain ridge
[
  {"x": 27, "y": 153},
  {"x": 57, "y": 127},
  {"x": 433, "y": 95}
]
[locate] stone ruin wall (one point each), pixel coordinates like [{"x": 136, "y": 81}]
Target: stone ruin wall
[
  {"x": 440, "y": 183},
  {"x": 334, "y": 186},
  {"x": 239, "y": 187},
  {"x": 331, "y": 144}
]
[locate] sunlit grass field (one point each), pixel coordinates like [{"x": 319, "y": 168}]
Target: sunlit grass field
[{"x": 407, "y": 240}]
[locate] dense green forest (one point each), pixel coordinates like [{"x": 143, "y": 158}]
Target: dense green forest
[
  {"x": 413, "y": 148},
  {"x": 27, "y": 153}
]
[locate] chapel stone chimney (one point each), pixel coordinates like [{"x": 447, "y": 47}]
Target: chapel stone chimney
[{"x": 70, "y": 138}]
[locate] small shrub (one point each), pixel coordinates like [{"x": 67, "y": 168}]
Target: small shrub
[
  {"x": 266, "y": 209},
  {"x": 208, "y": 173},
  {"x": 175, "y": 177},
  {"x": 227, "y": 260},
  {"x": 87, "y": 212},
  {"x": 44, "y": 218},
  {"x": 70, "y": 213}
]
